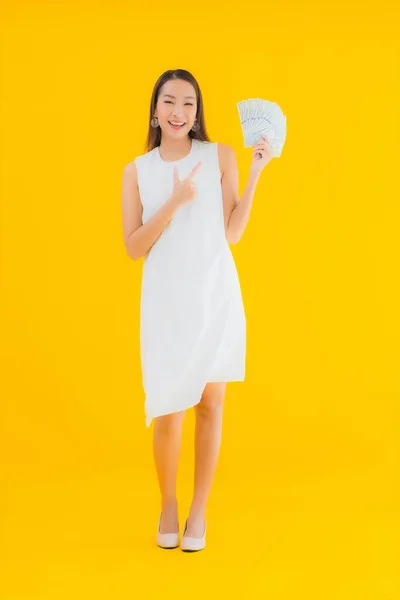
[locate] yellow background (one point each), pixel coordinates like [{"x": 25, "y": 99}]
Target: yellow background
[{"x": 305, "y": 502}]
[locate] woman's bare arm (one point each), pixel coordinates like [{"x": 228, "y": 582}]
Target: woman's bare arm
[
  {"x": 236, "y": 211},
  {"x": 139, "y": 237}
]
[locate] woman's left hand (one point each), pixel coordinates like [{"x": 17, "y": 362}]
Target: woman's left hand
[{"x": 262, "y": 154}]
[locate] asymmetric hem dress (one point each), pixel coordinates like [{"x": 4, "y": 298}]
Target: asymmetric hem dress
[{"x": 192, "y": 318}]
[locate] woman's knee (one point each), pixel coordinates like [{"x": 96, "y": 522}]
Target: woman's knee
[{"x": 212, "y": 399}]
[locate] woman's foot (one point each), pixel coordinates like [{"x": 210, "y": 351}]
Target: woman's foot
[
  {"x": 195, "y": 526},
  {"x": 168, "y": 527},
  {"x": 193, "y": 543},
  {"x": 169, "y": 521}
]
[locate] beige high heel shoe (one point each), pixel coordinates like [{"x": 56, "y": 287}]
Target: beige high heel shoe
[
  {"x": 167, "y": 540},
  {"x": 193, "y": 544}
]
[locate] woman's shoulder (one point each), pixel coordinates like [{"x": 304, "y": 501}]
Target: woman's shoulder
[
  {"x": 142, "y": 160},
  {"x": 146, "y": 154},
  {"x": 226, "y": 153}
]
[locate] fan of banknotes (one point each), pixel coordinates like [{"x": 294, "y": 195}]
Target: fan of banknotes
[{"x": 259, "y": 117}]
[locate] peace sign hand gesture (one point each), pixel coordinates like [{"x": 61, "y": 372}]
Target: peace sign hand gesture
[{"x": 184, "y": 191}]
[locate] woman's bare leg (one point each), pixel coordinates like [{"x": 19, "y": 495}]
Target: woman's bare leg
[
  {"x": 208, "y": 435},
  {"x": 166, "y": 447}
]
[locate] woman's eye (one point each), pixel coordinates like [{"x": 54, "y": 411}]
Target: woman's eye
[{"x": 169, "y": 102}]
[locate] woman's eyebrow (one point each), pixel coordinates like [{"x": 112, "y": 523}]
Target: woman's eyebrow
[{"x": 170, "y": 96}]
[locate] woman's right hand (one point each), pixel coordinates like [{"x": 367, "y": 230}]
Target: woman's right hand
[{"x": 184, "y": 191}]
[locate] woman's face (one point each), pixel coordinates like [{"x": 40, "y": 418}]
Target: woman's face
[{"x": 177, "y": 104}]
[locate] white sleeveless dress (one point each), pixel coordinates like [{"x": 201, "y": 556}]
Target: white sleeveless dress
[{"x": 192, "y": 322}]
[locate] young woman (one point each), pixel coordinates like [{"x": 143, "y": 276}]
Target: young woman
[{"x": 180, "y": 212}]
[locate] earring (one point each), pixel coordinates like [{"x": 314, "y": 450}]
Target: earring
[{"x": 195, "y": 126}]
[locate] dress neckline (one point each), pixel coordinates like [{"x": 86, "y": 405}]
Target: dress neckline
[{"x": 172, "y": 162}]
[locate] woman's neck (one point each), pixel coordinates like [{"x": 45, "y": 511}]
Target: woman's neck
[{"x": 175, "y": 149}]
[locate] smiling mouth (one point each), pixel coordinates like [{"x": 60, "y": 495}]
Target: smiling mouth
[{"x": 174, "y": 125}]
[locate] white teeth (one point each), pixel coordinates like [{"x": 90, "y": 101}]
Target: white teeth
[{"x": 176, "y": 123}]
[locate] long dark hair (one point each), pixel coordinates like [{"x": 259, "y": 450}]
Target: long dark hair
[{"x": 154, "y": 133}]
